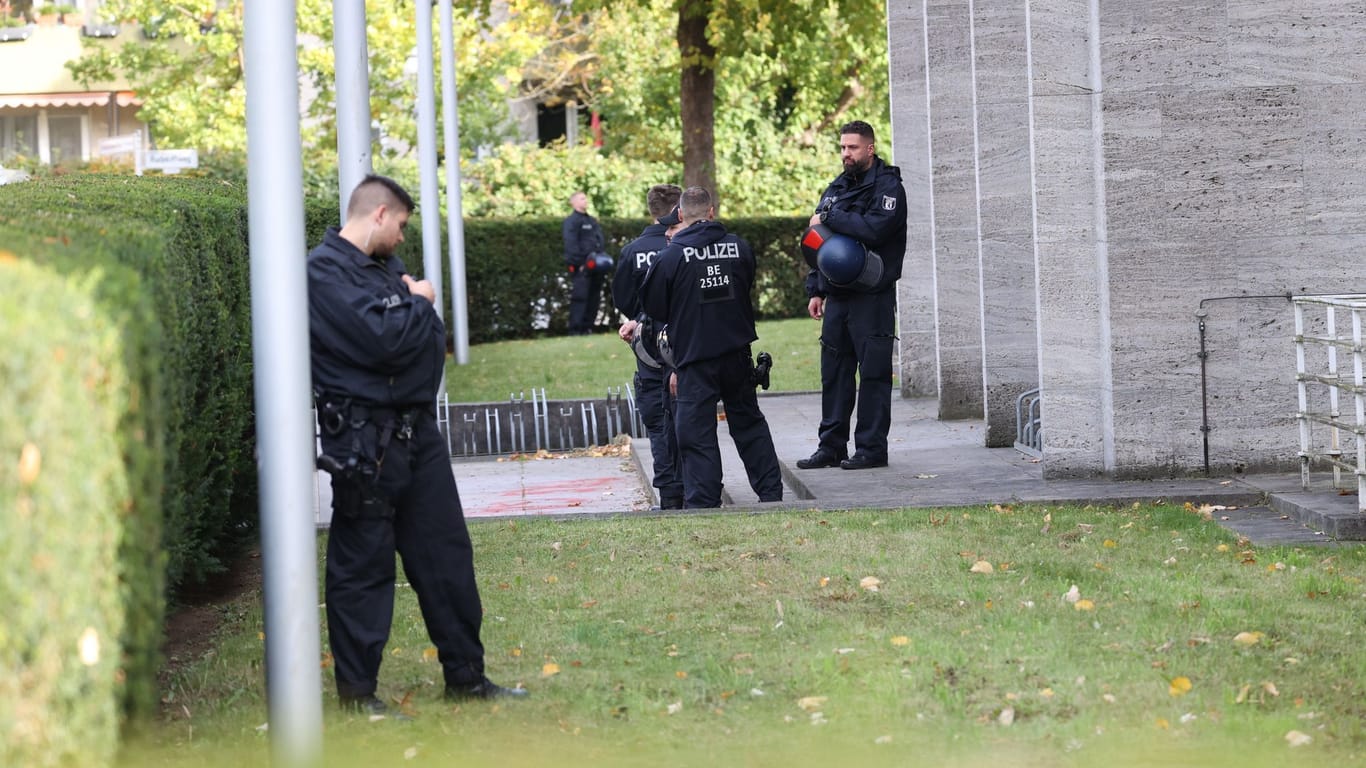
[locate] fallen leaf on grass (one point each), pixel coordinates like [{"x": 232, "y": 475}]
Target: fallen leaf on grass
[
  {"x": 1298, "y": 739},
  {"x": 870, "y": 583},
  {"x": 1073, "y": 594},
  {"x": 1248, "y": 638},
  {"x": 30, "y": 462},
  {"x": 811, "y": 703},
  {"x": 1007, "y": 716},
  {"x": 824, "y": 580},
  {"x": 1179, "y": 686},
  {"x": 901, "y": 640},
  {"x": 675, "y": 708},
  {"x": 550, "y": 669},
  {"x": 981, "y": 566},
  {"x": 428, "y": 655},
  {"x": 1084, "y": 605}
]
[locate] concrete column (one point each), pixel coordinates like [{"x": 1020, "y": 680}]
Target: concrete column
[
  {"x": 1070, "y": 238},
  {"x": 1005, "y": 210},
  {"x": 910, "y": 143},
  {"x": 957, "y": 262}
]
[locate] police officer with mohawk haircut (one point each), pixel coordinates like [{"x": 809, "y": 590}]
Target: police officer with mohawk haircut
[
  {"x": 651, "y": 379},
  {"x": 378, "y": 349},
  {"x": 701, "y": 286}
]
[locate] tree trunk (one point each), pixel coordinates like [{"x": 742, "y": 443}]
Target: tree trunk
[{"x": 697, "y": 95}]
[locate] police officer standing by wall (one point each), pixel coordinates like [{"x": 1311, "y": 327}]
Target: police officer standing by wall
[
  {"x": 868, "y": 203},
  {"x": 378, "y": 350},
  {"x": 701, "y": 285},
  {"x": 640, "y": 332},
  {"x": 584, "y": 246}
]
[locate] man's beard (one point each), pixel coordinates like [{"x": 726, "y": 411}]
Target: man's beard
[{"x": 852, "y": 167}]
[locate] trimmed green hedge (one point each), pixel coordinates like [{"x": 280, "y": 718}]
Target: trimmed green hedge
[
  {"x": 517, "y": 285},
  {"x": 166, "y": 258},
  {"x": 65, "y": 494}
]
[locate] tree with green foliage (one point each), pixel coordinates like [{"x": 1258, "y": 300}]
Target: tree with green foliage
[
  {"x": 189, "y": 71},
  {"x": 803, "y": 65},
  {"x": 754, "y": 121}
]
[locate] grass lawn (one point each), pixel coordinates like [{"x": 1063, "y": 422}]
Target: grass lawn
[
  {"x": 587, "y": 366},
  {"x": 852, "y": 638}
]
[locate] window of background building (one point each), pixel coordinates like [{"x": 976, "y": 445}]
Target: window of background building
[
  {"x": 64, "y": 137},
  {"x": 18, "y": 136}
]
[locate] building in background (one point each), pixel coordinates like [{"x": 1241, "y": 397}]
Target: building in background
[{"x": 45, "y": 114}]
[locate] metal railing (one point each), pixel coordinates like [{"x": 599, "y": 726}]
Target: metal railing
[
  {"x": 519, "y": 426},
  {"x": 1321, "y": 385},
  {"x": 1029, "y": 424}
]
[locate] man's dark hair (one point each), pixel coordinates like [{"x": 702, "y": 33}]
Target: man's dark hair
[
  {"x": 375, "y": 190},
  {"x": 662, "y": 198},
  {"x": 695, "y": 203},
  {"x": 861, "y": 128}
]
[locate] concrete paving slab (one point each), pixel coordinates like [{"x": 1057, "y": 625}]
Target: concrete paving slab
[
  {"x": 565, "y": 485},
  {"x": 562, "y": 486}
]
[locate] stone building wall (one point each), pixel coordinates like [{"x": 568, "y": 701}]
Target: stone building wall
[{"x": 1182, "y": 157}]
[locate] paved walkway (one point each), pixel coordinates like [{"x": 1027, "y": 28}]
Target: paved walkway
[{"x": 932, "y": 464}]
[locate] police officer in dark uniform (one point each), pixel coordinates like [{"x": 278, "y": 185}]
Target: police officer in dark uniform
[
  {"x": 701, "y": 285},
  {"x": 868, "y": 203},
  {"x": 584, "y": 247},
  {"x": 640, "y": 332},
  {"x": 378, "y": 348}
]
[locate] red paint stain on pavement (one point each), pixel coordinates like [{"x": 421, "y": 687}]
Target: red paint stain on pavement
[{"x": 565, "y": 496}]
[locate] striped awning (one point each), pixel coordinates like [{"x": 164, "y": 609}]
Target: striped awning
[{"x": 73, "y": 99}]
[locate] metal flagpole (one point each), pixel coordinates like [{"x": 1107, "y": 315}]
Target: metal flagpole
[
  {"x": 352, "y": 63},
  {"x": 459, "y": 324},
  {"x": 429, "y": 202},
  {"x": 279, "y": 322}
]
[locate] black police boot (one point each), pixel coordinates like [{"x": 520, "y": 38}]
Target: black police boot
[
  {"x": 483, "y": 689},
  {"x": 370, "y": 705},
  {"x": 670, "y": 502},
  {"x": 859, "y": 461},
  {"x": 821, "y": 459}
]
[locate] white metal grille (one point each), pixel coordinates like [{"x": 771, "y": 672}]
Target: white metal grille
[{"x": 1322, "y": 384}]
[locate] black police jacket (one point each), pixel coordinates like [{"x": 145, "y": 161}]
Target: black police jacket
[
  {"x": 870, "y": 208},
  {"x": 582, "y": 238},
  {"x": 371, "y": 340},
  {"x": 700, "y": 285},
  {"x": 635, "y": 261}
]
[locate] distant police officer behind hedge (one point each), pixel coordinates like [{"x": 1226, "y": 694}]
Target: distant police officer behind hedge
[
  {"x": 583, "y": 246},
  {"x": 378, "y": 349},
  {"x": 868, "y": 203},
  {"x": 701, "y": 285},
  {"x": 639, "y": 331}
]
